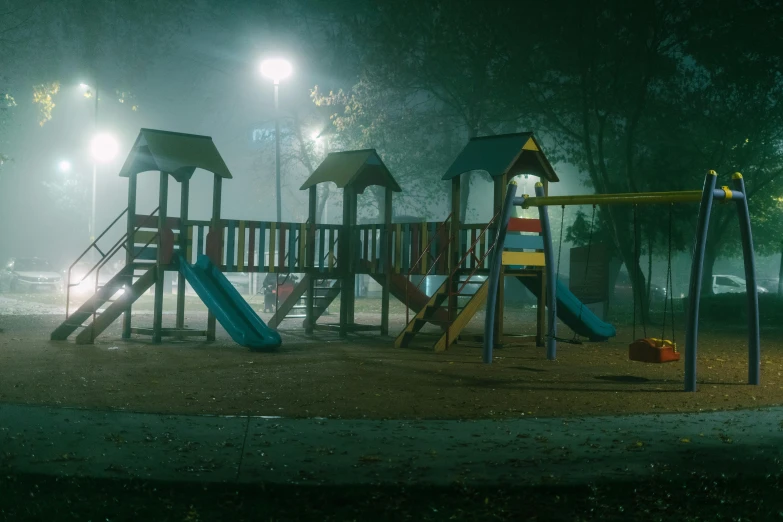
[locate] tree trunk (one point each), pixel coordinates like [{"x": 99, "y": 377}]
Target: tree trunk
[
  {"x": 780, "y": 274},
  {"x": 710, "y": 256}
]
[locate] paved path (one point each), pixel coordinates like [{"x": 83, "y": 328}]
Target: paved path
[{"x": 314, "y": 451}]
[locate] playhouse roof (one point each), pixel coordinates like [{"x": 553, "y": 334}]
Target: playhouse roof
[
  {"x": 513, "y": 153},
  {"x": 173, "y": 152},
  {"x": 357, "y": 168}
]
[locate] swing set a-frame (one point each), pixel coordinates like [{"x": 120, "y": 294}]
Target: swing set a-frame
[{"x": 706, "y": 197}]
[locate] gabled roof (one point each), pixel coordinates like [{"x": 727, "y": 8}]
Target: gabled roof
[
  {"x": 513, "y": 153},
  {"x": 173, "y": 152},
  {"x": 356, "y": 168}
]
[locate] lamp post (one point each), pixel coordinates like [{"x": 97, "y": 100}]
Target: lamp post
[
  {"x": 103, "y": 149},
  {"x": 277, "y": 69},
  {"x": 94, "y": 163}
]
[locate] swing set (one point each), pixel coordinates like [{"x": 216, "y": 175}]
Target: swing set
[{"x": 646, "y": 349}]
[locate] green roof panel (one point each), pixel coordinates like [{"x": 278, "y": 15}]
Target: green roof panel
[
  {"x": 513, "y": 153},
  {"x": 357, "y": 168},
  {"x": 173, "y": 152}
]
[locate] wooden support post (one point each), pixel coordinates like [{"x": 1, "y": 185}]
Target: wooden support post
[
  {"x": 345, "y": 259},
  {"x": 310, "y": 266},
  {"x": 157, "y": 314},
  {"x": 129, "y": 253},
  {"x": 387, "y": 219},
  {"x": 500, "y": 195},
  {"x": 541, "y": 311},
  {"x": 183, "y": 249},
  {"x": 217, "y": 195},
  {"x": 454, "y": 250}
]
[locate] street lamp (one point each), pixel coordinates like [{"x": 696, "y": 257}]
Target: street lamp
[
  {"x": 277, "y": 69},
  {"x": 64, "y": 166},
  {"x": 103, "y": 149}
]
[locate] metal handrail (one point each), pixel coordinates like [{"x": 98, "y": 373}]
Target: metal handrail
[
  {"x": 471, "y": 250},
  {"x": 426, "y": 250},
  {"x": 120, "y": 241},
  {"x": 457, "y": 268}
]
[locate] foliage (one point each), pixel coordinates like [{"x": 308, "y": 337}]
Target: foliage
[{"x": 42, "y": 96}]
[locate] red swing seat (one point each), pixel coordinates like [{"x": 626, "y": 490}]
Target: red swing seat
[{"x": 652, "y": 350}]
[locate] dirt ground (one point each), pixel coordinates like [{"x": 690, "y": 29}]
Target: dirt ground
[{"x": 366, "y": 377}]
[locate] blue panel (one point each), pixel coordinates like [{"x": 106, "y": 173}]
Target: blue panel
[
  {"x": 149, "y": 253},
  {"x": 517, "y": 243},
  {"x": 321, "y": 246},
  {"x": 200, "y": 241},
  {"x": 230, "y": 246}
]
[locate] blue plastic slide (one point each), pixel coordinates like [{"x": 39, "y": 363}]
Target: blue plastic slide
[
  {"x": 573, "y": 313},
  {"x": 231, "y": 310}
]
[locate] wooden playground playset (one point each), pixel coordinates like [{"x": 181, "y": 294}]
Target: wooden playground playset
[{"x": 328, "y": 257}]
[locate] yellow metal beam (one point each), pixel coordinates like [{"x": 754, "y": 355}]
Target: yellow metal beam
[
  {"x": 633, "y": 198},
  {"x": 524, "y": 258}
]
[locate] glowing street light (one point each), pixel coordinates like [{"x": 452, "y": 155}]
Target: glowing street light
[
  {"x": 64, "y": 166},
  {"x": 104, "y": 148},
  {"x": 277, "y": 69}
]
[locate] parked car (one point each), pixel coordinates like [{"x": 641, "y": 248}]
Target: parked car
[
  {"x": 623, "y": 291},
  {"x": 28, "y": 274},
  {"x": 731, "y": 284}
]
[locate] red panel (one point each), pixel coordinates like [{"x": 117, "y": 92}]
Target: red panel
[
  {"x": 524, "y": 225},
  {"x": 281, "y": 246}
]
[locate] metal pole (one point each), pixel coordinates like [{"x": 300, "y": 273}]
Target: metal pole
[
  {"x": 694, "y": 288},
  {"x": 94, "y": 170},
  {"x": 551, "y": 278},
  {"x": 754, "y": 342},
  {"x": 277, "y": 158},
  {"x": 495, "y": 265}
]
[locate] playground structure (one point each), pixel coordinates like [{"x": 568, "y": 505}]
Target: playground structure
[
  {"x": 706, "y": 196},
  {"x": 327, "y": 256}
]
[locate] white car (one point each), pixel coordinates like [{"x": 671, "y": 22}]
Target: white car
[
  {"x": 29, "y": 274},
  {"x": 731, "y": 284}
]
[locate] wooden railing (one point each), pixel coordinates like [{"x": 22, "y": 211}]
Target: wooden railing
[{"x": 263, "y": 246}]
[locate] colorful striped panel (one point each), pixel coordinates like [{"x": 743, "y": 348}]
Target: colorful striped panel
[
  {"x": 241, "y": 247},
  {"x": 518, "y": 243},
  {"x": 524, "y": 225},
  {"x": 523, "y": 258},
  {"x": 251, "y": 247},
  {"x": 272, "y": 245},
  {"x": 281, "y": 246},
  {"x": 230, "y": 244},
  {"x": 262, "y": 266}
]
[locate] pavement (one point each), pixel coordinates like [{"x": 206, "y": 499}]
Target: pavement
[{"x": 523, "y": 451}]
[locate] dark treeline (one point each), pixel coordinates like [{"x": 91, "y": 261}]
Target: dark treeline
[{"x": 637, "y": 96}]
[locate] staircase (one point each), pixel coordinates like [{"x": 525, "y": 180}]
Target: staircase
[
  {"x": 114, "y": 297},
  {"x": 462, "y": 295},
  {"x": 325, "y": 291}
]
